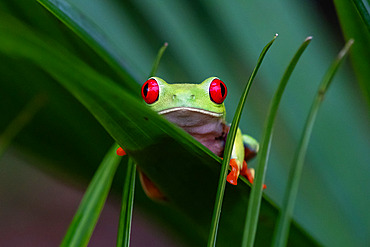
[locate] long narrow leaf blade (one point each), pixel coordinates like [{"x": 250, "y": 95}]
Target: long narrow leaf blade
[
  {"x": 158, "y": 59},
  {"x": 364, "y": 12},
  {"x": 256, "y": 193},
  {"x": 354, "y": 27},
  {"x": 87, "y": 215},
  {"x": 229, "y": 146},
  {"x": 281, "y": 233},
  {"x": 129, "y": 126},
  {"x": 93, "y": 36},
  {"x": 124, "y": 227}
]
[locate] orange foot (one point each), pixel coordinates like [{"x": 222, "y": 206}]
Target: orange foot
[
  {"x": 234, "y": 174},
  {"x": 150, "y": 189},
  {"x": 249, "y": 173},
  {"x": 120, "y": 152}
]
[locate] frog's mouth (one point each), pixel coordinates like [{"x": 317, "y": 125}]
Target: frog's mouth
[
  {"x": 192, "y": 109},
  {"x": 197, "y": 122}
]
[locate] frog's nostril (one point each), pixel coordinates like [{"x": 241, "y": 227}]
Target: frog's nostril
[
  {"x": 174, "y": 96},
  {"x": 192, "y": 96}
]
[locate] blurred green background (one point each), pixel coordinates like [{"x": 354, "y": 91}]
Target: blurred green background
[{"x": 205, "y": 39}]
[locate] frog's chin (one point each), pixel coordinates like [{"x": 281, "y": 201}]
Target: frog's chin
[
  {"x": 190, "y": 109},
  {"x": 204, "y": 125}
]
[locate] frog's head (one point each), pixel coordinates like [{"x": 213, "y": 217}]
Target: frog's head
[{"x": 204, "y": 98}]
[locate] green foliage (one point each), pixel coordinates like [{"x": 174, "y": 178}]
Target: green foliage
[
  {"x": 206, "y": 38},
  {"x": 363, "y": 10},
  {"x": 229, "y": 147},
  {"x": 281, "y": 233},
  {"x": 140, "y": 132},
  {"x": 124, "y": 227},
  {"x": 93, "y": 36},
  {"x": 256, "y": 193},
  {"x": 87, "y": 215},
  {"x": 355, "y": 21}
]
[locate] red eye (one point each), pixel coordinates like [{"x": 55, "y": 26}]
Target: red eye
[
  {"x": 217, "y": 91},
  {"x": 150, "y": 91}
]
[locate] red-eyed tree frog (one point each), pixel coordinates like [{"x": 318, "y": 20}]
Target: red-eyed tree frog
[{"x": 199, "y": 109}]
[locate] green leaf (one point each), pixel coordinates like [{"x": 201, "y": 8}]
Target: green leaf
[
  {"x": 256, "y": 194},
  {"x": 158, "y": 59},
  {"x": 281, "y": 232},
  {"x": 124, "y": 226},
  {"x": 228, "y": 149},
  {"x": 93, "y": 36},
  {"x": 363, "y": 11},
  {"x": 356, "y": 26},
  {"x": 87, "y": 215},
  {"x": 147, "y": 138}
]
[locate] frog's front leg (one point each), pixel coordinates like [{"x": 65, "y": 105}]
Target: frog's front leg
[
  {"x": 232, "y": 177},
  {"x": 244, "y": 149},
  {"x": 237, "y": 156},
  {"x": 251, "y": 147}
]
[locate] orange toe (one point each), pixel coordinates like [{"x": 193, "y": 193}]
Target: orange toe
[
  {"x": 232, "y": 178},
  {"x": 150, "y": 189},
  {"x": 246, "y": 172},
  {"x": 120, "y": 152},
  {"x": 249, "y": 173}
]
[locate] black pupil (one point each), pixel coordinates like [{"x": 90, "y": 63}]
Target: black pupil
[
  {"x": 146, "y": 89},
  {"x": 222, "y": 89}
]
